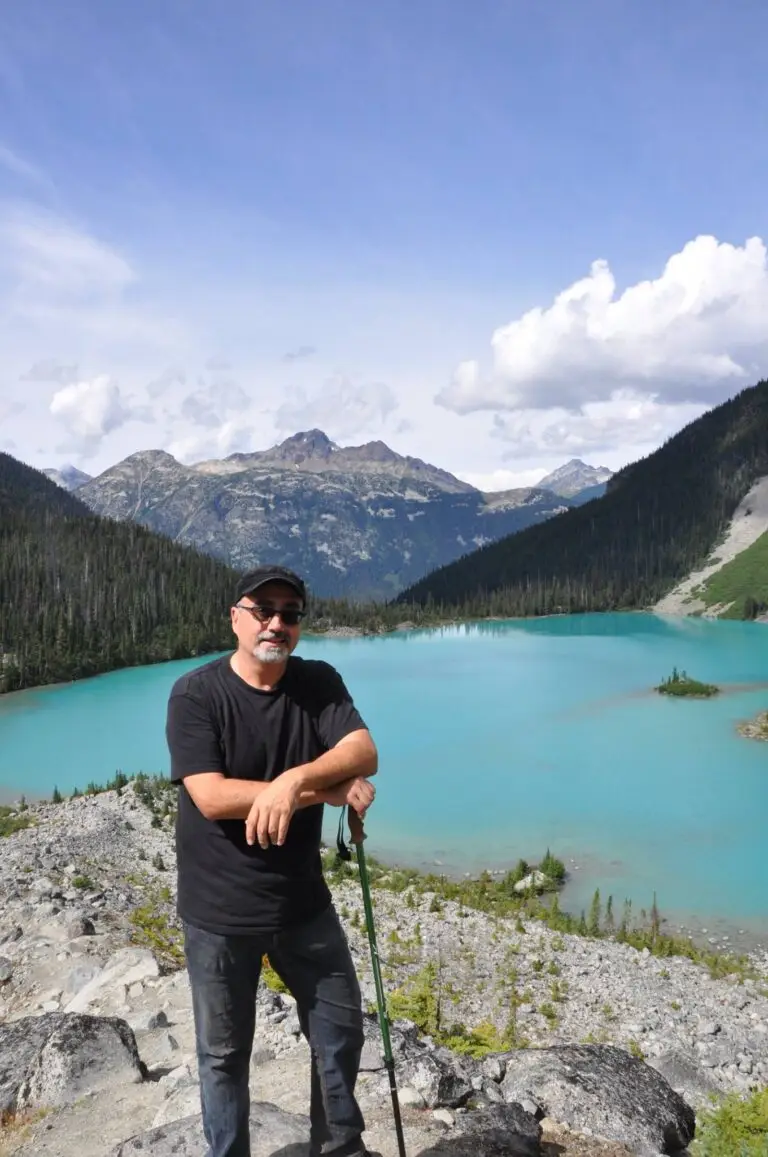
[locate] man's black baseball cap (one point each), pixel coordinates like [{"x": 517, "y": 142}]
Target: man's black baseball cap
[{"x": 260, "y": 575}]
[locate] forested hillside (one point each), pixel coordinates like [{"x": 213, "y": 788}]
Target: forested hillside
[
  {"x": 659, "y": 519},
  {"x": 81, "y": 594}
]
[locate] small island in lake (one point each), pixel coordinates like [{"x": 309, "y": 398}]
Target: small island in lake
[
  {"x": 756, "y": 728},
  {"x": 679, "y": 683}
]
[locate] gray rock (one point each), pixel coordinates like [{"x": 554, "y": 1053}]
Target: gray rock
[
  {"x": 12, "y": 935},
  {"x": 81, "y": 975},
  {"x": 272, "y": 1130},
  {"x": 684, "y": 1075},
  {"x": 493, "y": 1068},
  {"x": 499, "y": 1131},
  {"x": 147, "y": 1021},
  {"x": 52, "y": 1060},
  {"x": 492, "y": 1093},
  {"x": 291, "y": 1024},
  {"x": 371, "y": 1059},
  {"x": 410, "y": 1097},
  {"x": 183, "y": 1101},
  {"x": 124, "y": 967},
  {"x": 709, "y": 1028},
  {"x": 6, "y": 970},
  {"x": 442, "y": 1081},
  {"x": 603, "y": 1090},
  {"x": 78, "y": 925}
]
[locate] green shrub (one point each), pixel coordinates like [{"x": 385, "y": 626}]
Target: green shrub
[
  {"x": 270, "y": 977},
  {"x": 11, "y": 821},
  {"x": 153, "y": 928},
  {"x": 733, "y": 1127}
]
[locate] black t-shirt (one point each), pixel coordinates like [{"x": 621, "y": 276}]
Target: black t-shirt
[{"x": 217, "y": 722}]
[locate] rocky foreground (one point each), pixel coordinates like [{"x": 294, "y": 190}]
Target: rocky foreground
[{"x": 608, "y": 1051}]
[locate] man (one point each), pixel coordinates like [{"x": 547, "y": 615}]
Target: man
[{"x": 259, "y": 741}]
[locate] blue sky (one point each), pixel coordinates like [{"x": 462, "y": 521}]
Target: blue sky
[{"x": 223, "y": 222}]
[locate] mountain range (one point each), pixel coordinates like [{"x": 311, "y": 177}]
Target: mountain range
[{"x": 357, "y": 521}]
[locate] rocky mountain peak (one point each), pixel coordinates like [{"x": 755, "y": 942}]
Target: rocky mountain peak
[
  {"x": 305, "y": 444},
  {"x": 67, "y": 476},
  {"x": 574, "y": 476}
]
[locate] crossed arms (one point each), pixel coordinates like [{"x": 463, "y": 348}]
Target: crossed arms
[{"x": 339, "y": 776}]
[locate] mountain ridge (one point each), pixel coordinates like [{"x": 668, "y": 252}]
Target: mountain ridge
[{"x": 359, "y": 521}]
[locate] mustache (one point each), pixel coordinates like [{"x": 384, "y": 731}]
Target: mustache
[{"x": 271, "y": 638}]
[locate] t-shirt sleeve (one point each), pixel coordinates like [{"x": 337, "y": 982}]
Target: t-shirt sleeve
[
  {"x": 337, "y": 715},
  {"x": 192, "y": 737}
]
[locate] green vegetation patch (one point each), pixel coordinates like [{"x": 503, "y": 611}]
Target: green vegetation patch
[
  {"x": 13, "y": 821},
  {"x": 495, "y": 896},
  {"x": 742, "y": 583},
  {"x": 734, "y": 1127},
  {"x": 153, "y": 927},
  {"x": 681, "y": 685}
]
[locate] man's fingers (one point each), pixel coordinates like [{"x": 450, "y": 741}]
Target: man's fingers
[
  {"x": 282, "y": 830},
  {"x": 262, "y": 827}
]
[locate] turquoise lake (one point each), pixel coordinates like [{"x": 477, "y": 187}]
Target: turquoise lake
[{"x": 498, "y": 740}]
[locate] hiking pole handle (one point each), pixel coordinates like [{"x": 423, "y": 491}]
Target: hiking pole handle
[{"x": 356, "y": 829}]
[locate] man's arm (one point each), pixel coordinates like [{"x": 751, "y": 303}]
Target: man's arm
[
  {"x": 220, "y": 798},
  {"x": 354, "y": 758}
]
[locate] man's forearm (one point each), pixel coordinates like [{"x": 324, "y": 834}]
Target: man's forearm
[
  {"x": 234, "y": 798},
  {"x": 354, "y": 756}
]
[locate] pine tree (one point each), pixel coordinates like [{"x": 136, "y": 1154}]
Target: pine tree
[{"x": 595, "y": 914}]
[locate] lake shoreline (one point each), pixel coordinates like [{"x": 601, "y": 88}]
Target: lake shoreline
[
  {"x": 348, "y": 632},
  {"x": 716, "y": 932}
]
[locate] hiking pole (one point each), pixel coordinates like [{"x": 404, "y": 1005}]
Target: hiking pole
[{"x": 358, "y": 835}]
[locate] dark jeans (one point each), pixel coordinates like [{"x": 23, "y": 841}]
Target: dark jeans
[{"x": 314, "y": 961}]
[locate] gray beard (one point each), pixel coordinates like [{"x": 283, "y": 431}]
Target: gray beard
[{"x": 271, "y": 652}]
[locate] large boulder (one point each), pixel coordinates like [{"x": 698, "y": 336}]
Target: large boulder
[
  {"x": 603, "y": 1090},
  {"x": 52, "y": 1060},
  {"x": 272, "y": 1130}
]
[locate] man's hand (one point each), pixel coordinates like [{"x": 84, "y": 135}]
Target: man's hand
[
  {"x": 359, "y": 793},
  {"x": 272, "y": 811}
]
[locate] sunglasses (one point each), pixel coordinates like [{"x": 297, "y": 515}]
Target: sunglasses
[{"x": 289, "y": 615}]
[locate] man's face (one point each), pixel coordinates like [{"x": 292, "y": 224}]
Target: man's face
[{"x": 267, "y": 636}]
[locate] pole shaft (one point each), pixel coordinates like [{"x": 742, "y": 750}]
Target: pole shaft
[{"x": 381, "y": 1003}]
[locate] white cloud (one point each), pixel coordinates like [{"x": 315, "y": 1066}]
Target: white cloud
[
  {"x": 495, "y": 480},
  {"x": 228, "y": 437},
  {"x": 9, "y": 409},
  {"x": 341, "y": 409},
  {"x": 169, "y": 377},
  {"x": 89, "y": 410},
  {"x": 50, "y": 370},
  {"x": 15, "y": 163},
  {"x": 300, "y": 354},
  {"x": 695, "y": 334},
  {"x": 46, "y": 252},
  {"x": 626, "y": 419}
]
